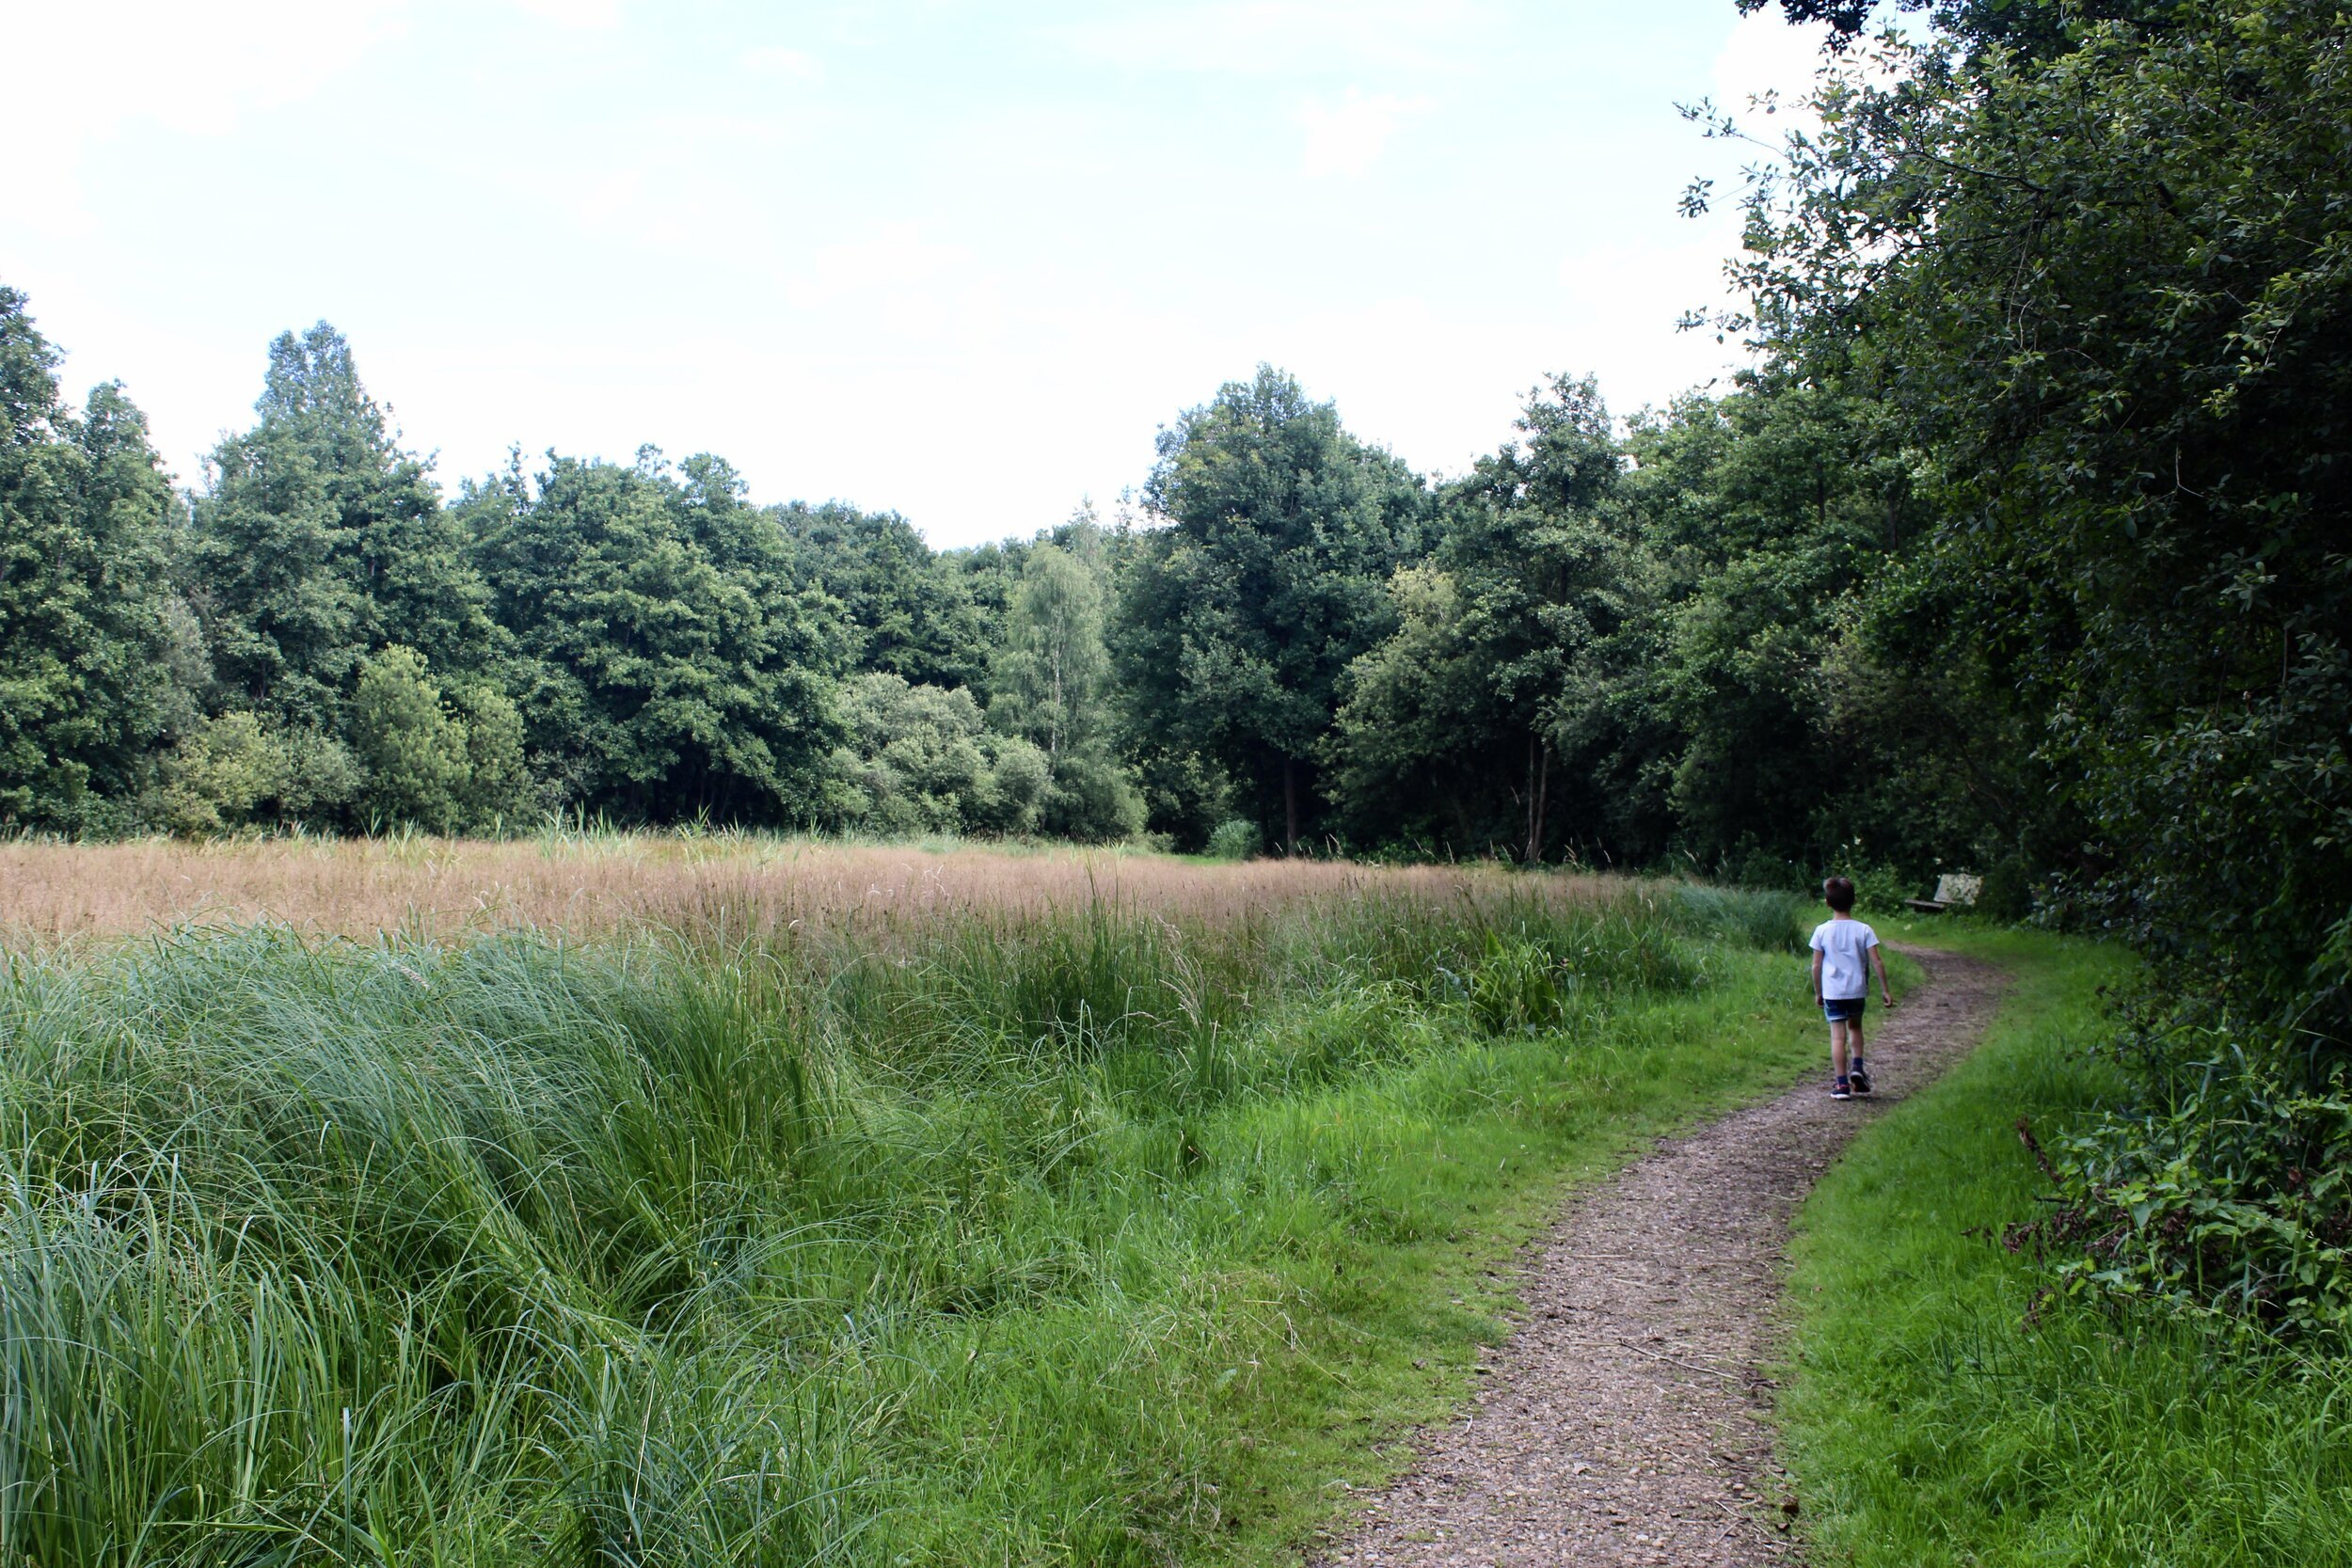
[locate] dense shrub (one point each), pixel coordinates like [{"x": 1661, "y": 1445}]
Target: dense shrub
[
  {"x": 1236, "y": 838},
  {"x": 921, "y": 760},
  {"x": 2225, "y": 1188},
  {"x": 238, "y": 769},
  {"x": 412, "y": 748}
]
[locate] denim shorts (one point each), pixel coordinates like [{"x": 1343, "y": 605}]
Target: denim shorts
[{"x": 1843, "y": 1010}]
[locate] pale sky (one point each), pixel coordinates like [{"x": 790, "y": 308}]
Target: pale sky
[{"x": 951, "y": 258}]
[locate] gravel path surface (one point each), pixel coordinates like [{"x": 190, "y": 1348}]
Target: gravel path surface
[{"x": 1625, "y": 1420}]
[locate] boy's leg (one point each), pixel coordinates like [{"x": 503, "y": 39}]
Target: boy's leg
[{"x": 1837, "y": 1028}]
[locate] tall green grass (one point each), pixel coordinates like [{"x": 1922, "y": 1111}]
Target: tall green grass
[
  {"x": 1943, "y": 1412},
  {"x": 1086, "y": 1237}
]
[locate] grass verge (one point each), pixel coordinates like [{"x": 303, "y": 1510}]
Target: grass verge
[{"x": 1934, "y": 1417}]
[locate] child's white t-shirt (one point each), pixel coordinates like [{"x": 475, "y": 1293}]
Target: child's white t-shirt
[{"x": 1845, "y": 948}]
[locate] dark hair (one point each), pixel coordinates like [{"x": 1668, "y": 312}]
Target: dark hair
[{"x": 1839, "y": 891}]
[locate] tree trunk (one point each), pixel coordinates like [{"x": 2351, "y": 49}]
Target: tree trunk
[
  {"x": 1543, "y": 794},
  {"x": 1289, "y": 806},
  {"x": 1527, "y": 840}
]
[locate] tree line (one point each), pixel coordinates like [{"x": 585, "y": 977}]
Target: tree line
[{"x": 1607, "y": 642}]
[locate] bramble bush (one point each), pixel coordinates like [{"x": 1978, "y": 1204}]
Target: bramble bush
[{"x": 2226, "y": 1193}]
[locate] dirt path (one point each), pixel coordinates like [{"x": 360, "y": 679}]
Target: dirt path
[{"x": 1625, "y": 1420}]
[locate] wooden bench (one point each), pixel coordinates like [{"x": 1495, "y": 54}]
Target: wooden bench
[{"x": 1953, "y": 887}]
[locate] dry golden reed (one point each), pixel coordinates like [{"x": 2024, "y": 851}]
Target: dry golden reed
[{"x": 598, "y": 882}]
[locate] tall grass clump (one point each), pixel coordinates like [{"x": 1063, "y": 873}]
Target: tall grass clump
[
  {"x": 307, "y": 1247},
  {"x": 1024, "y": 1233},
  {"x": 1766, "y": 919}
]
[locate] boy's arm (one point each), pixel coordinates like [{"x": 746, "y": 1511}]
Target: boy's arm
[
  {"x": 1817, "y": 976},
  {"x": 1878, "y": 957}
]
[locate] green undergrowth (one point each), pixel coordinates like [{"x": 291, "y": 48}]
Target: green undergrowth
[
  {"x": 1082, "y": 1238},
  {"x": 1943, "y": 1409}
]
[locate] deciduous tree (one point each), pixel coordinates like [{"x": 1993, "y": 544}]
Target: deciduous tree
[
  {"x": 667, "y": 644},
  {"x": 319, "y": 541},
  {"x": 1452, "y": 726},
  {"x": 1052, "y": 684},
  {"x": 1237, "y": 618},
  {"x": 96, "y": 649}
]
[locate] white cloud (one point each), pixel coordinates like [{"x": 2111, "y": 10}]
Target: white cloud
[
  {"x": 1766, "y": 69},
  {"x": 614, "y": 197},
  {"x": 591, "y": 14},
  {"x": 85, "y": 73},
  {"x": 798, "y": 65},
  {"x": 894, "y": 256},
  {"x": 725, "y": 264},
  {"x": 1347, "y": 136},
  {"x": 897, "y": 290},
  {"x": 1762, "y": 56},
  {"x": 1267, "y": 37},
  {"x": 82, "y": 71},
  {"x": 667, "y": 183},
  {"x": 1618, "y": 304}
]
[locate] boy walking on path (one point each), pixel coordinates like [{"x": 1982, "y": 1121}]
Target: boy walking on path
[{"x": 1843, "y": 951}]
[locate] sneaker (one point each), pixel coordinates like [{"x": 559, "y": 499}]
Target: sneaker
[
  {"x": 1859, "y": 1076},
  {"x": 1839, "y": 1091}
]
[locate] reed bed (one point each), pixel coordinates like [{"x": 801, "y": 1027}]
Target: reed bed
[
  {"x": 599, "y": 883},
  {"x": 1038, "y": 1232}
]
